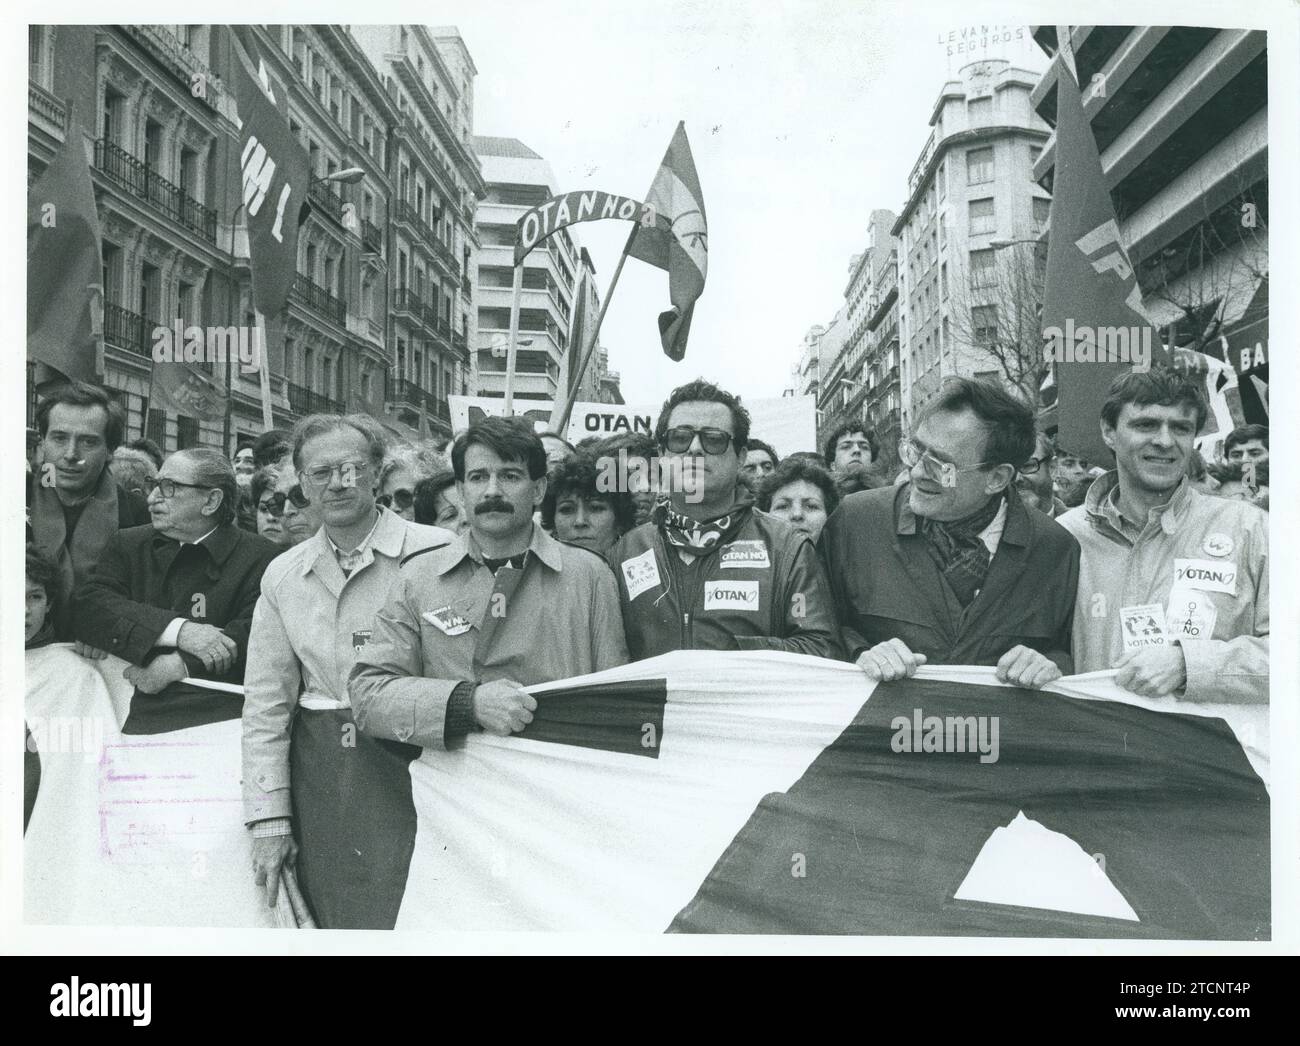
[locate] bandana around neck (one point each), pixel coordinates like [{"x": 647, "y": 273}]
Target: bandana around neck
[{"x": 699, "y": 537}]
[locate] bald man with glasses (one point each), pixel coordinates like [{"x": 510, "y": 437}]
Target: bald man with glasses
[{"x": 951, "y": 567}]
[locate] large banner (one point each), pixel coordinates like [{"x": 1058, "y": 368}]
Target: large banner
[
  {"x": 789, "y": 423},
  {"x": 700, "y": 791}
]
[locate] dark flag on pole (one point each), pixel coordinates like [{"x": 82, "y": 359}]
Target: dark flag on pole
[
  {"x": 65, "y": 266},
  {"x": 1093, "y": 322},
  {"x": 274, "y": 174},
  {"x": 680, "y": 244}
]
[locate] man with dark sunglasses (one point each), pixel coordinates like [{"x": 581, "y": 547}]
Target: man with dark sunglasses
[{"x": 710, "y": 571}]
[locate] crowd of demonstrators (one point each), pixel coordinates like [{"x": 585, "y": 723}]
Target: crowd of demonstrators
[{"x": 414, "y": 590}]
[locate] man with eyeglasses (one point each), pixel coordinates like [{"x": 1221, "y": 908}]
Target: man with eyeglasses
[
  {"x": 1034, "y": 479},
  {"x": 74, "y": 502},
  {"x": 176, "y": 598},
  {"x": 316, "y": 614},
  {"x": 504, "y": 606},
  {"x": 951, "y": 567},
  {"x": 710, "y": 571}
]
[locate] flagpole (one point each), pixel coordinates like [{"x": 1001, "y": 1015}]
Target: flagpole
[
  {"x": 514, "y": 338},
  {"x": 560, "y": 416},
  {"x": 264, "y": 371}
]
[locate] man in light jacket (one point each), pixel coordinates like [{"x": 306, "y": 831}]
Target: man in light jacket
[
  {"x": 1173, "y": 584},
  {"x": 315, "y": 615}
]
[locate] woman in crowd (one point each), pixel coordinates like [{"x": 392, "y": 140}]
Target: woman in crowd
[
  {"x": 801, "y": 492},
  {"x": 268, "y": 505},
  {"x": 404, "y": 466},
  {"x": 576, "y": 510},
  {"x": 632, "y": 460},
  {"x": 438, "y": 503}
]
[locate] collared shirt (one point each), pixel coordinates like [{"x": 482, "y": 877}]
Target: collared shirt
[
  {"x": 309, "y": 625},
  {"x": 450, "y": 619},
  {"x": 348, "y": 560},
  {"x": 1194, "y": 549}
]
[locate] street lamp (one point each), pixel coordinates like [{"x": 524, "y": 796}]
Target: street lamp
[
  {"x": 1001, "y": 244},
  {"x": 348, "y": 176}
]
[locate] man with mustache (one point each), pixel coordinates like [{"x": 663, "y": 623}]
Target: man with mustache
[
  {"x": 504, "y": 606},
  {"x": 74, "y": 503},
  {"x": 950, "y": 567},
  {"x": 1173, "y": 583}
]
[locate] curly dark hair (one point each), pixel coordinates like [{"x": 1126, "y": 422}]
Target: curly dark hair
[
  {"x": 578, "y": 475},
  {"x": 792, "y": 470},
  {"x": 701, "y": 391}
]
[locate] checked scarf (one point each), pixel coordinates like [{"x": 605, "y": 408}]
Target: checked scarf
[
  {"x": 699, "y": 537},
  {"x": 956, "y": 547}
]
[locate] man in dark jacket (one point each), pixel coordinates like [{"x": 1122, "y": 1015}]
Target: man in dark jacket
[
  {"x": 73, "y": 502},
  {"x": 176, "y": 598},
  {"x": 710, "y": 571},
  {"x": 951, "y": 567}
]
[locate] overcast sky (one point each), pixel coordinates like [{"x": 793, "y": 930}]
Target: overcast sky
[{"x": 802, "y": 116}]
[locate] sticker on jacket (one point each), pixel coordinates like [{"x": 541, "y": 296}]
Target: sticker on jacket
[
  {"x": 640, "y": 573},
  {"x": 1142, "y": 627},
  {"x": 745, "y": 554},
  {"x": 447, "y": 621},
  {"x": 1207, "y": 575},
  {"x": 360, "y": 638},
  {"x": 731, "y": 595},
  {"x": 1191, "y": 615}
]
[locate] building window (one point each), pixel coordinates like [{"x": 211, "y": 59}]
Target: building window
[
  {"x": 982, "y": 219},
  {"x": 982, "y": 272},
  {"x": 984, "y": 323},
  {"x": 187, "y": 432},
  {"x": 113, "y": 103},
  {"x": 979, "y": 166},
  {"x": 943, "y": 282},
  {"x": 1042, "y": 209}
]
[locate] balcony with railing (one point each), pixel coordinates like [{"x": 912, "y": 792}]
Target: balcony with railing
[
  {"x": 407, "y": 214},
  {"x": 410, "y": 128},
  {"x": 318, "y": 299},
  {"x": 141, "y": 180},
  {"x": 406, "y": 393},
  {"x": 183, "y": 65},
  {"x": 372, "y": 237},
  {"x": 303, "y": 400},
  {"x": 127, "y": 330},
  {"x": 323, "y": 196}
]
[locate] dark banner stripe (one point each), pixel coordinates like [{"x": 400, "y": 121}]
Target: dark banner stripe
[
  {"x": 876, "y": 841},
  {"x": 179, "y": 708},
  {"x": 625, "y": 717},
  {"x": 354, "y": 819}
]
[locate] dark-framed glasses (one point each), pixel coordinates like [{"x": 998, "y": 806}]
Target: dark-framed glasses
[
  {"x": 273, "y": 504},
  {"x": 678, "y": 440},
  {"x": 400, "y": 499},
  {"x": 1031, "y": 467},
  {"x": 167, "y": 487}
]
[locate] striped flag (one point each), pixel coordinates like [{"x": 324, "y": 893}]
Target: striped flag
[
  {"x": 680, "y": 245},
  {"x": 708, "y": 792}
]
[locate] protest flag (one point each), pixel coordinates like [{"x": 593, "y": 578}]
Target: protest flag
[
  {"x": 275, "y": 177},
  {"x": 65, "y": 274},
  {"x": 681, "y": 246},
  {"x": 1091, "y": 296}
]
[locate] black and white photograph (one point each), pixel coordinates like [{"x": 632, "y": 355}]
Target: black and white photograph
[{"x": 791, "y": 476}]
